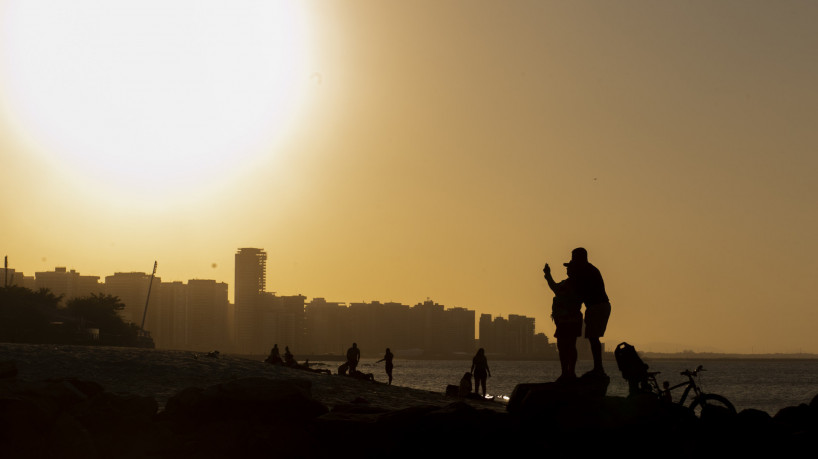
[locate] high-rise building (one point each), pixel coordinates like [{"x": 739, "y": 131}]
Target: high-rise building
[
  {"x": 206, "y": 315},
  {"x": 543, "y": 348},
  {"x": 428, "y": 318},
  {"x": 9, "y": 277},
  {"x": 513, "y": 337},
  {"x": 374, "y": 326},
  {"x": 250, "y": 275},
  {"x": 460, "y": 330},
  {"x": 171, "y": 330},
  {"x": 67, "y": 284},
  {"x": 282, "y": 322},
  {"x": 426, "y": 327},
  {"x": 326, "y": 324},
  {"x": 488, "y": 339},
  {"x": 521, "y": 335},
  {"x": 132, "y": 290}
]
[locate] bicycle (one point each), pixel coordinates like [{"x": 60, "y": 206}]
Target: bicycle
[{"x": 698, "y": 399}]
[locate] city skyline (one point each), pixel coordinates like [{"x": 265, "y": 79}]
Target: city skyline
[
  {"x": 197, "y": 316},
  {"x": 407, "y": 150},
  {"x": 16, "y": 278}
]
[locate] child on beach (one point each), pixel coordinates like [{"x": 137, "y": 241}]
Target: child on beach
[{"x": 567, "y": 315}]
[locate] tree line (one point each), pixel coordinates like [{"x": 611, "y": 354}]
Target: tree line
[{"x": 36, "y": 317}]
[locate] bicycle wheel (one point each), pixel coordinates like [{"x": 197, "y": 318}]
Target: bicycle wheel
[{"x": 715, "y": 400}]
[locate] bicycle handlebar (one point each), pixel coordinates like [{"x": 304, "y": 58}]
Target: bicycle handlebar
[{"x": 692, "y": 373}]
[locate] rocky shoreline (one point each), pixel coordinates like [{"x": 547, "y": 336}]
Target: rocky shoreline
[{"x": 293, "y": 413}]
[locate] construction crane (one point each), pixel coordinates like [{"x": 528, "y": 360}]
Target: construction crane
[{"x": 144, "y": 338}]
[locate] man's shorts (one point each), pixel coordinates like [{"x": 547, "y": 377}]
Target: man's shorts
[{"x": 596, "y": 319}]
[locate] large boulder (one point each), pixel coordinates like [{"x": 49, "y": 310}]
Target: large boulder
[
  {"x": 532, "y": 399},
  {"x": 248, "y": 417},
  {"x": 565, "y": 415},
  {"x": 796, "y": 419},
  {"x": 70, "y": 418},
  {"x": 254, "y": 399},
  {"x": 455, "y": 430},
  {"x": 8, "y": 369}
]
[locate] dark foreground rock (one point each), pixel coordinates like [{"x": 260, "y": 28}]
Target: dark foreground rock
[
  {"x": 261, "y": 417},
  {"x": 580, "y": 418}
]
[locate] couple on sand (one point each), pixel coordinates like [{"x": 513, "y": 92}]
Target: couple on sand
[{"x": 583, "y": 285}]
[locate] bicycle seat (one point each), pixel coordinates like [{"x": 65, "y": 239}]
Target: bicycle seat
[{"x": 653, "y": 373}]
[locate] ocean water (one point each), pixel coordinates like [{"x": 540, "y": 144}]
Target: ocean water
[{"x": 764, "y": 384}]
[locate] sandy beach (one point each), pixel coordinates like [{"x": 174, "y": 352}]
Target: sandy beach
[{"x": 162, "y": 374}]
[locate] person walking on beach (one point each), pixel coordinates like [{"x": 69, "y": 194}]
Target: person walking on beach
[
  {"x": 353, "y": 357},
  {"x": 591, "y": 290},
  {"x": 567, "y": 315},
  {"x": 388, "y": 359},
  {"x": 480, "y": 370}
]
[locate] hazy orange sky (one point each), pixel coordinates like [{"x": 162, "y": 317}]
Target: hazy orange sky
[{"x": 394, "y": 151}]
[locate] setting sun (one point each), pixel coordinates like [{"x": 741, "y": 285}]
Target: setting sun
[
  {"x": 404, "y": 151},
  {"x": 170, "y": 94}
]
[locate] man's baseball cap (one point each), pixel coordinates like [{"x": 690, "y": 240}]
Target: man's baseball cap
[{"x": 578, "y": 255}]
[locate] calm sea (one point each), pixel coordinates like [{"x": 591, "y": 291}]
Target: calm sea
[{"x": 764, "y": 384}]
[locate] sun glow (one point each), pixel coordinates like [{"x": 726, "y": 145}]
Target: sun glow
[{"x": 169, "y": 94}]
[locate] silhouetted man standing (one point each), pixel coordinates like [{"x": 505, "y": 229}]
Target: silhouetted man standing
[
  {"x": 591, "y": 289},
  {"x": 353, "y": 357}
]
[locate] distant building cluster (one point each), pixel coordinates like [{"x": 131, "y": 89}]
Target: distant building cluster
[{"x": 198, "y": 316}]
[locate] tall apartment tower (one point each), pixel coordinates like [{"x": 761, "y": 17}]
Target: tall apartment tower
[
  {"x": 251, "y": 273},
  {"x": 206, "y": 314},
  {"x": 132, "y": 290}
]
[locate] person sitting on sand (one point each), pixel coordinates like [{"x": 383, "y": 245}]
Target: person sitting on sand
[
  {"x": 480, "y": 370},
  {"x": 388, "y": 359},
  {"x": 464, "y": 389},
  {"x": 274, "y": 357},
  {"x": 353, "y": 357},
  {"x": 566, "y": 311},
  {"x": 289, "y": 359}
]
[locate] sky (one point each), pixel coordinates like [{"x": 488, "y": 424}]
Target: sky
[{"x": 399, "y": 151}]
